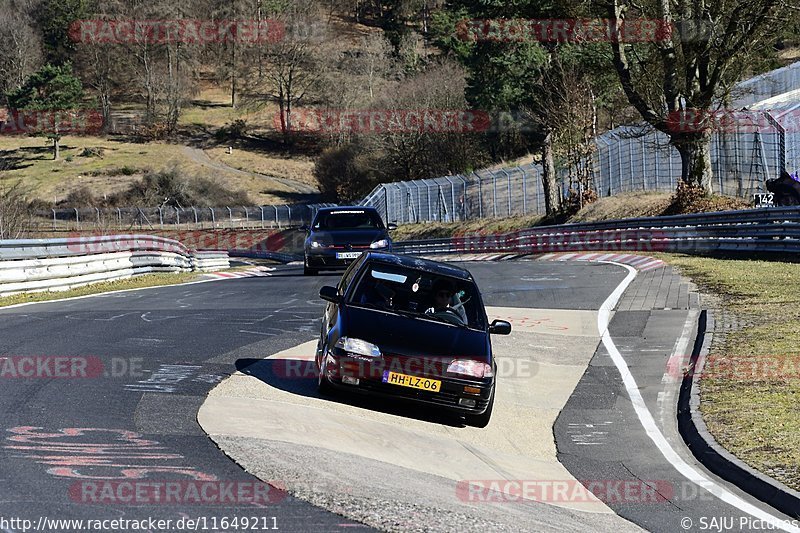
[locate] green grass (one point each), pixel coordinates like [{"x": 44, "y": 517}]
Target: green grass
[
  {"x": 136, "y": 282},
  {"x": 751, "y": 403}
]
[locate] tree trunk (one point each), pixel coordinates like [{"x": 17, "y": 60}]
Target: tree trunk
[
  {"x": 551, "y": 203},
  {"x": 695, "y": 152},
  {"x": 56, "y": 148}
]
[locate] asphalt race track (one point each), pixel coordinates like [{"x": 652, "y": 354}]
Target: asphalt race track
[{"x": 140, "y": 364}]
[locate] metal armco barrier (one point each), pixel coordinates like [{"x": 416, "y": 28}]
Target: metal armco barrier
[
  {"x": 761, "y": 230},
  {"x": 28, "y": 265}
]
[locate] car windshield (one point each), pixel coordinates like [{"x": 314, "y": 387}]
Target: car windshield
[
  {"x": 349, "y": 219},
  {"x": 420, "y": 294}
]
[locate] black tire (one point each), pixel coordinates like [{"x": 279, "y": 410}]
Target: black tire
[
  {"x": 481, "y": 420},
  {"x": 323, "y": 385}
]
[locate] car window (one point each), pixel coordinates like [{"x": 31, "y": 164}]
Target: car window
[
  {"x": 419, "y": 293},
  {"x": 348, "y": 275},
  {"x": 349, "y": 219}
]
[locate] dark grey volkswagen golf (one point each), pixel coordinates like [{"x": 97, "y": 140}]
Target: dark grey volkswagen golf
[{"x": 338, "y": 236}]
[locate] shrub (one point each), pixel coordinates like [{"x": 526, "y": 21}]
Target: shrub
[
  {"x": 343, "y": 173},
  {"x": 235, "y": 130}
]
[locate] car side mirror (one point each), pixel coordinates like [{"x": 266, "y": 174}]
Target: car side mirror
[
  {"x": 302, "y": 228},
  {"x": 500, "y": 327},
  {"x": 330, "y": 294},
  {"x": 391, "y": 226}
]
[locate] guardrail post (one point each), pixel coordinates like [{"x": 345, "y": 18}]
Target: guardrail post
[{"x": 261, "y": 207}]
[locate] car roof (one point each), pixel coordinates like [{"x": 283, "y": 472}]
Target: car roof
[
  {"x": 417, "y": 263},
  {"x": 345, "y": 208}
]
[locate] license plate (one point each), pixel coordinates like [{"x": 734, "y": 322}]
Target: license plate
[
  {"x": 412, "y": 382},
  {"x": 347, "y": 255}
]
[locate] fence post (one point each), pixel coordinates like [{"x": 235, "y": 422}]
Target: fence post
[
  {"x": 213, "y": 218},
  {"x": 524, "y": 191},
  {"x": 195, "y": 214},
  {"x": 494, "y": 195},
  {"x": 464, "y": 182},
  {"x": 277, "y": 222},
  {"x": 261, "y": 207},
  {"x": 781, "y": 142},
  {"x": 480, "y": 195},
  {"x": 77, "y": 219},
  {"x": 54, "y": 219},
  {"x": 97, "y": 209},
  {"x": 289, "y": 209},
  {"x": 177, "y": 217},
  {"x": 508, "y": 182}
]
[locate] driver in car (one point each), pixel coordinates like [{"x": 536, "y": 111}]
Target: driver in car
[{"x": 445, "y": 301}]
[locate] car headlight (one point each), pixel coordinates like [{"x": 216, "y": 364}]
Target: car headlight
[
  {"x": 315, "y": 244},
  {"x": 358, "y": 346},
  {"x": 468, "y": 367},
  {"x": 383, "y": 243}
]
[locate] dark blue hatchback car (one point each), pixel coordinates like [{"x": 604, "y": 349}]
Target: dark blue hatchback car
[
  {"x": 410, "y": 329},
  {"x": 338, "y": 236}
]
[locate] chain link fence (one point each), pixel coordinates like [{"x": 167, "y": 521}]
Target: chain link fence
[
  {"x": 745, "y": 153},
  {"x": 142, "y": 218}
]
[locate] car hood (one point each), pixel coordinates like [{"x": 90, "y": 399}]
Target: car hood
[
  {"x": 414, "y": 337},
  {"x": 350, "y": 236}
]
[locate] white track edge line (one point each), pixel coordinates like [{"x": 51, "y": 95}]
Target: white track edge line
[{"x": 649, "y": 424}]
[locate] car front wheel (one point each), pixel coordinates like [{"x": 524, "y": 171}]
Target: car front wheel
[
  {"x": 323, "y": 385},
  {"x": 481, "y": 420}
]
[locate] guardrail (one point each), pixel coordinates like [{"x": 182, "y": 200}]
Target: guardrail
[
  {"x": 761, "y": 230},
  {"x": 29, "y": 265}
]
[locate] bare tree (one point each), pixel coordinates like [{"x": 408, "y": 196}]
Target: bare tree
[
  {"x": 293, "y": 67},
  {"x": 15, "y": 216},
  {"x": 20, "y": 47},
  {"x": 690, "y": 63}
]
